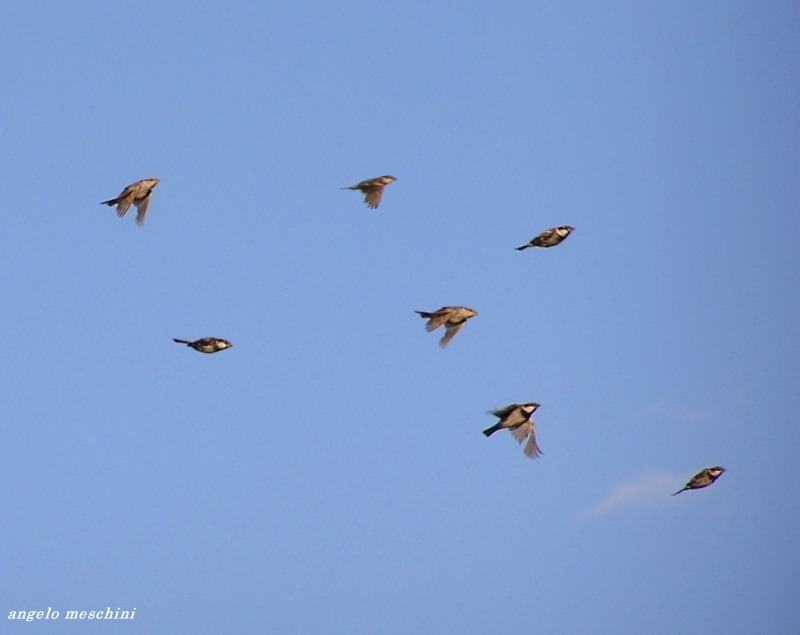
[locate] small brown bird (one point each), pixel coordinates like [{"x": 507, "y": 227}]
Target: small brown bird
[
  {"x": 206, "y": 344},
  {"x": 372, "y": 189},
  {"x": 517, "y": 420},
  {"x": 137, "y": 194},
  {"x": 549, "y": 237},
  {"x": 702, "y": 479},
  {"x": 453, "y": 318}
]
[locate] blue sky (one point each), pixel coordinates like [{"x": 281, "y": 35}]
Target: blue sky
[{"x": 327, "y": 474}]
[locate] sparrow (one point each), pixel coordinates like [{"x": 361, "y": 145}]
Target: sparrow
[
  {"x": 453, "y": 318},
  {"x": 549, "y": 237},
  {"x": 137, "y": 194},
  {"x": 702, "y": 479},
  {"x": 517, "y": 420},
  {"x": 372, "y": 189},
  {"x": 206, "y": 344}
]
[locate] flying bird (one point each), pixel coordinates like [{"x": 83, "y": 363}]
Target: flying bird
[
  {"x": 517, "y": 420},
  {"x": 372, "y": 189},
  {"x": 137, "y": 194},
  {"x": 206, "y": 344},
  {"x": 549, "y": 237},
  {"x": 453, "y": 318},
  {"x": 702, "y": 479}
]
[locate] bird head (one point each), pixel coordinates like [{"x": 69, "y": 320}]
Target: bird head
[
  {"x": 716, "y": 471},
  {"x": 388, "y": 179},
  {"x": 529, "y": 408}
]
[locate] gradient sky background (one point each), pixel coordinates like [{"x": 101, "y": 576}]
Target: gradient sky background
[{"x": 328, "y": 474}]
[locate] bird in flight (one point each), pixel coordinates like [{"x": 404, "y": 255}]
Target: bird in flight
[
  {"x": 549, "y": 237},
  {"x": 372, "y": 189},
  {"x": 702, "y": 479},
  {"x": 453, "y": 318},
  {"x": 206, "y": 344},
  {"x": 137, "y": 194},
  {"x": 517, "y": 420}
]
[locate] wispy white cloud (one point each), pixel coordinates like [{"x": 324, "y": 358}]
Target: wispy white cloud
[{"x": 643, "y": 488}]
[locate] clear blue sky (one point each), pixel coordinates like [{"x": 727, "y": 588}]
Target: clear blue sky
[{"x": 328, "y": 473}]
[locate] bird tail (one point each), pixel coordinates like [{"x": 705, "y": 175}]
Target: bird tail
[
  {"x": 110, "y": 202},
  {"x": 490, "y": 431},
  {"x": 188, "y": 343},
  {"x": 680, "y": 490},
  {"x": 349, "y": 187},
  {"x": 424, "y": 314},
  {"x": 521, "y": 248}
]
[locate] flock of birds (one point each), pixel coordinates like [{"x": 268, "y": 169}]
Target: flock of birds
[{"x": 516, "y": 418}]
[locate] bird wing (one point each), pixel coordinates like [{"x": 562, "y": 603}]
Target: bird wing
[
  {"x": 450, "y": 331},
  {"x": 527, "y": 431},
  {"x": 125, "y": 200},
  {"x": 372, "y": 195},
  {"x": 543, "y": 239},
  {"x": 531, "y": 449},
  {"x": 436, "y": 319},
  {"x": 701, "y": 480},
  {"x": 521, "y": 432},
  {"x": 141, "y": 209},
  {"x": 504, "y": 412}
]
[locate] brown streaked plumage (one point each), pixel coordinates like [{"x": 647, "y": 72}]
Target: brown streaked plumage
[
  {"x": 206, "y": 344},
  {"x": 517, "y": 420},
  {"x": 703, "y": 478},
  {"x": 372, "y": 189},
  {"x": 549, "y": 237},
  {"x": 453, "y": 318},
  {"x": 137, "y": 194}
]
